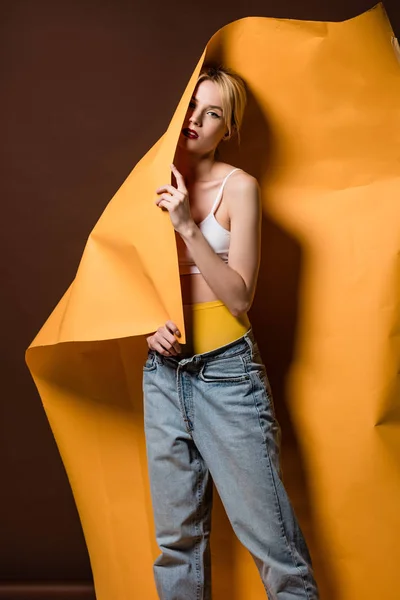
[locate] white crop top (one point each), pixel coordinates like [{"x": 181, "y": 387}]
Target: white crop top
[{"x": 217, "y": 236}]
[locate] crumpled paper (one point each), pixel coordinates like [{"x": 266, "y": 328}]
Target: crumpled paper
[{"x": 322, "y": 135}]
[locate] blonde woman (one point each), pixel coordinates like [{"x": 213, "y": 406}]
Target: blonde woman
[{"x": 209, "y": 413}]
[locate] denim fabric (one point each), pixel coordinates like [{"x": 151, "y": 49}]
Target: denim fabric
[{"x": 210, "y": 417}]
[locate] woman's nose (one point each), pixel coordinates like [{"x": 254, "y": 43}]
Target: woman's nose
[{"x": 195, "y": 118}]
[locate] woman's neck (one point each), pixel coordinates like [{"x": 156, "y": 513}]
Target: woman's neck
[{"x": 194, "y": 168}]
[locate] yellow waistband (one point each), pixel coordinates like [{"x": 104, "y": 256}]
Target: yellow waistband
[{"x": 210, "y": 325}]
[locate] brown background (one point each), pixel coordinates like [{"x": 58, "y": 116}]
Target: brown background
[{"x": 87, "y": 88}]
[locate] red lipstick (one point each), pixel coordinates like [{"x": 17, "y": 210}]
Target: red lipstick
[{"x": 190, "y": 133}]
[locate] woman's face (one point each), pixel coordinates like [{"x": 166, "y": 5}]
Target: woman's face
[{"x": 204, "y": 117}]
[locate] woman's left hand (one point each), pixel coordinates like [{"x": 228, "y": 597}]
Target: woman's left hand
[{"x": 176, "y": 201}]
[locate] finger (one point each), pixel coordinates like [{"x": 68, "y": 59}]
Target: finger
[
  {"x": 158, "y": 342},
  {"x": 175, "y": 343},
  {"x": 166, "y": 198},
  {"x": 161, "y": 350},
  {"x": 149, "y": 341},
  {"x": 179, "y": 178},
  {"x": 176, "y": 346},
  {"x": 165, "y": 204},
  {"x": 171, "y": 339},
  {"x": 163, "y": 346},
  {"x": 166, "y": 340},
  {"x": 170, "y": 325},
  {"x": 167, "y": 188}
]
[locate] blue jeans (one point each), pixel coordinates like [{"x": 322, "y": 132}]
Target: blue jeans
[{"x": 210, "y": 417}]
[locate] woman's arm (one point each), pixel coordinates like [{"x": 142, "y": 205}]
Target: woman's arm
[{"x": 233, "y": 283}]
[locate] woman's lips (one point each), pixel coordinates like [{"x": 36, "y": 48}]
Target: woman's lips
[{"x": 189, "y": 133}]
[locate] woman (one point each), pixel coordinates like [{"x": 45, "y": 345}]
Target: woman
[{"x": 209, "y": 413}]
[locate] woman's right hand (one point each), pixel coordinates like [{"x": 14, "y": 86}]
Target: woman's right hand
[{"x": 164, "y": 340}]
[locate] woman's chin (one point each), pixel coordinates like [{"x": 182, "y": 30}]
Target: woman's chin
[{"x": 185, "y": 145}]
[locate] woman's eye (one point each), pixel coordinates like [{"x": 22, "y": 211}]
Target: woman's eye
[{"x": 214, "y": 115}]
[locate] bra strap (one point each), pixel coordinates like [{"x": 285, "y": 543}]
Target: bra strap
[{"x": 221, "y": 189}]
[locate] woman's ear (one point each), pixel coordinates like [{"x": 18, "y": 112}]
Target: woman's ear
[{"x": 228, "y": 136}]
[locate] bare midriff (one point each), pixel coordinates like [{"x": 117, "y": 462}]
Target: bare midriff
[{"x": 195, "y": 289}]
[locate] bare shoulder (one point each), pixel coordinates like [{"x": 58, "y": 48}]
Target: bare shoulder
[
  {"x": 242, "y": 181},
  {"x": 242, "y": 190},
  {"x": 238, "y": 178}
]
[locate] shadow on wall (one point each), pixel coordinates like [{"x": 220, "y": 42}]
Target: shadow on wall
[{"x": 274, "y": 317}]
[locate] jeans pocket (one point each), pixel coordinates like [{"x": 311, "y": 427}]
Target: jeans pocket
[
  {"x": 266, "y": 386},
  {"x": 224, "y": 370},
  {"x": 151, "y": 362}
]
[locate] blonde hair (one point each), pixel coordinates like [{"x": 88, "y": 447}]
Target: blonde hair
[{"x": 233, "y": 94}]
